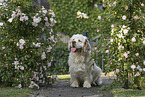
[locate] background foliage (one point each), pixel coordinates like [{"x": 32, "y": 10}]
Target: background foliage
[{"x": 66, "y": 16}]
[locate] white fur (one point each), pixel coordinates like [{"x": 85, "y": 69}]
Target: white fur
[{"x": 81, "y": 69}]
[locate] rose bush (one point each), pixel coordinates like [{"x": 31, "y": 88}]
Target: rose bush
[
  {"x": 126, "y": 55},
  {"x": 123, "y": 48},
  {"x": 27, "y": 39}
]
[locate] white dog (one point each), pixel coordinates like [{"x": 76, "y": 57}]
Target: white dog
[{"x": 82, "y": 69}]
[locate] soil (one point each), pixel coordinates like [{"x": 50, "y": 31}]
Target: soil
[{"x": 61, "y": 88}]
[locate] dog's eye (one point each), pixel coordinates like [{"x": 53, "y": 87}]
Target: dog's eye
[{"x": 79, "y": 41}]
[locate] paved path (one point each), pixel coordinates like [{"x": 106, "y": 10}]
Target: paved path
[{"x": 62, "y": 88}]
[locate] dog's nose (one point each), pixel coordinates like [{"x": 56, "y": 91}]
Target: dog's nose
[{"x": 73, "y": 42}]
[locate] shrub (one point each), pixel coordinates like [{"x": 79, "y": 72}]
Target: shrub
[
  {"x": 75, "y": 16},
  {"x": 124, "y": 48},
  {"x": 60, "y": 61},
  {"x": 27, "y": 39}
]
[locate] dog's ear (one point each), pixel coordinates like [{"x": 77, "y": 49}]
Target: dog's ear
[{"x": 87, "y": 46}]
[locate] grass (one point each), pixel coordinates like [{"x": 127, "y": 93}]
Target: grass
[
  {"x": 14, "y": 92},
  {"x": 67, "y": 76},
  {"x": 64, "y": 77},
  {"x": 128, "y": 93}
]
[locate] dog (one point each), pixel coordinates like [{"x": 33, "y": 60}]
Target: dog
[{"x": 82, "y": 69}]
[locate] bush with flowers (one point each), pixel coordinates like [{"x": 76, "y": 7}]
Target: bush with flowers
[
  {"x": 123, "y": 49},
  {"x": 126, "y": 55},
  {"x": 27, "y": 39}
]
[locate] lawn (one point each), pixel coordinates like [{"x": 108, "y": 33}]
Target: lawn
[
  {"x": 128, "y": 93},
  {"x": 14, "y": 92}
]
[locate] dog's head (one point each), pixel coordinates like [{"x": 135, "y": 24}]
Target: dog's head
[{"x": 79, "y": 43}]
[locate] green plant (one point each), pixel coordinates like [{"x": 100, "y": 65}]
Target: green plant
[
  {"x": 124, "y": 48},
  {"x": 27, "y": 39},
  {"x": 60, "y": 61},
  {"x": 67, "y": 18}
]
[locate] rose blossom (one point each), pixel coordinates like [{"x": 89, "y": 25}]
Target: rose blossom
[
  {"x": 21, "y": 41},
  {"x": 121, "y": 47},
  {"x": 21, "y": 47},
  {"x": 43, "y": 56},
  {"x": 133, "y": 39},
  {"x": 10, "y": 20},
  {"x": 125, "y": 31},
  {"x": 133, "y": 66},
  {"x": 126, "y": 55},
  {"x": 124, "y": 17},
  {"x": 144, "y": 42},
  {"x": 137, "y": 54},
  {"x": 19, "y": 85},
  {"x": 1, "y": 24},
  {"x": 144, "y": 62},
  {"x": 99, "y": 17},
  {"x": 21, "y": 67}
]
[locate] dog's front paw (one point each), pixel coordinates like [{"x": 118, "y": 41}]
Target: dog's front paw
[
  {"x": 75, "y": 84},
  {"x": 86, "y": 84}
]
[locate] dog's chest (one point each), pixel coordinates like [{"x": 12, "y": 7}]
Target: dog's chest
[
  {"x": 77, "y": 63},
  {"x": 77, "y": 59}
]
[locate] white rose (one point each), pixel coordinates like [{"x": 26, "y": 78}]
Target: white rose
[
  {"x": 137, "y": 54},
  {"x": 136, "y": 17},
  {"x": 142, "y": 4},
  {"x": 38, "y": 44},
  {"x": 133, "y": 39},
  {"x": 16, "y": 62},
  {"x": 46, "y": 19},
  {"x": 10, "y": 20},
  {"x": 21, "y": 67},
  {"x": 126, "y": 55},
  {"x": 21, "y": 18},
  {"x": 111, "y": 40},
  {"x": 34, "y": 24},
  {"x": 36, "y": 20},
  {"x": 99, "y": 17},
  {"x": 21, "y": 41},
  {"x": 144, "y": 42},
  {"x": 26, "y": 18},
  {"x": 19, "y": 85},
  {"x": 43, "y": 56},
  {"x": 44, "y": 11},
  {"x": 21, "y": 47},
  {"x": 124, "y": 26},
  {"x": 121, "y": 47},
  {"x": 1, "y": 24},
  {"x": 107, "y": 51},
  {"x": 125, "y": 31},
  {"x": 144, "y": 62},
  {"x": 112, "y": 25},
  {"x": 133, "y": 66},
  {"x": 124, "y": 17}
]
